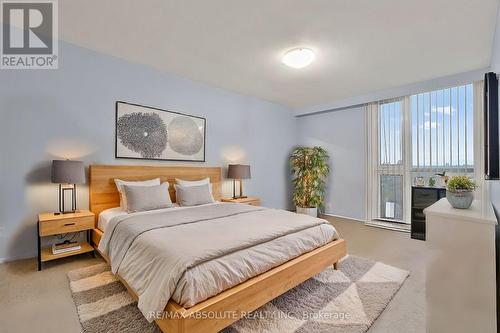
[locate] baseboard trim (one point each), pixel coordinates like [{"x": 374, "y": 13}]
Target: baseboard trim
[
  {"x": 344, "y": 217},
  {"x": 376, "y": 224},
  {"x": 389, "y": 226},
  {"x": 15, "y": 258}
]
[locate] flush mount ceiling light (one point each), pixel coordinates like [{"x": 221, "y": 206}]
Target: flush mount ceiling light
[{"x": 298, "y": 58}]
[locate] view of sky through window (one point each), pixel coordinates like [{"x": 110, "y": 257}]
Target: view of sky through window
[
  {"x": 442, "y": 128},
  {"x": 391, "y": 145}
]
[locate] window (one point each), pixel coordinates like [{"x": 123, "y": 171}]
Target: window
[
  {"x": 390, "y": 138},
  {"x": 418, "y": 136},
  {"x": 389, "y": 157},
  {"x": 391, "y": 197},
  {"x": 442, "y": 130}
]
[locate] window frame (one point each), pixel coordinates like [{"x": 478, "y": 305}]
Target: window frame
[
  {"x": 375, "y": 169},
  {"x": 371, "y": 150}
]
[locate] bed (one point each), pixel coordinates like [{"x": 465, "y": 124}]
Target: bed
[{"x": 199, "y": 300}]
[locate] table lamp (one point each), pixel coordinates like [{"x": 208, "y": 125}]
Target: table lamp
[
  {"x": 238, "y": 172},
  {"x": 67, "y": 174}
]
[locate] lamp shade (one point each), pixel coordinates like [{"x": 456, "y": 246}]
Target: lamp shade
[
  {"x": 238, "y": 171},
  {"x": 68, "y": 172}
]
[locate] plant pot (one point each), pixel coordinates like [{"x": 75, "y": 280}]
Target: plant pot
[
  {"x": 460, "y": 199},
  {"x": 307, "y": 211}
]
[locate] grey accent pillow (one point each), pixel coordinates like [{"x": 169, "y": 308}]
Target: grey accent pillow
[
  {"x": 120, "y": 183},
  {"x": 193, "y": 195},
  {"x": 187, "y": 183},
  {"x": 142, "y": 198}
]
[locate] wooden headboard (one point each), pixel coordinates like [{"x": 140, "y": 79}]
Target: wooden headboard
[{"x": 104, "y": 195}]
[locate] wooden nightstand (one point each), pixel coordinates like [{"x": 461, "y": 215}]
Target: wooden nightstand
[
  {"x": 50, "y": 224},
  {"x": 254, "y": 201}
]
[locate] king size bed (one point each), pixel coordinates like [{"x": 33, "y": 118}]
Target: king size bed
[{"x": 200, "y": 268}]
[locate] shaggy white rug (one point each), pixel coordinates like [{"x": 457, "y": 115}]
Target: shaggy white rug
[{"x": 345, "y": 300}]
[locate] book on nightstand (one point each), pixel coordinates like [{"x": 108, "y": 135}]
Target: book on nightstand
[{"x": 65, "y": 247}]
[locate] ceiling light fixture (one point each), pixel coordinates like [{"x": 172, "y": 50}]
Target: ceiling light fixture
[{"x": 298, "y": 58}]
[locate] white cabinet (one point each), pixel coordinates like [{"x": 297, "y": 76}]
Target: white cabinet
[{"x": 461, "y": 278}]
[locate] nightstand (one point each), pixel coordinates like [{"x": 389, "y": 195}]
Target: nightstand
[
  {"x": 50, "y": 224},
  {"x": 254, "y": 201}
]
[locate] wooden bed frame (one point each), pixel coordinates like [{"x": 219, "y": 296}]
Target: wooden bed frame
[{"x": 222, "y": 310}]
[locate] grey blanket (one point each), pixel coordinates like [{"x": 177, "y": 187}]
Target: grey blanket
[{"x": 152, "y": 251}]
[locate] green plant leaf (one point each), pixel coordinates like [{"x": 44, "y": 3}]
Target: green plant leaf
[
  {"x": 310, "y": 170},
  {"x": 460, "y": 183}
]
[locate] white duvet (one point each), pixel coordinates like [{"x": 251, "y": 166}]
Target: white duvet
[{"x": 192, "y": 254}]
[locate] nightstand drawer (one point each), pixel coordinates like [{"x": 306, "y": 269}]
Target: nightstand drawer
[{"x": 61, "y": 226}]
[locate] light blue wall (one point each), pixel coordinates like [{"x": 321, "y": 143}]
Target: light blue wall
[
  {"x": 342, "y": 133},
  {"x": 69, "y": 113}
]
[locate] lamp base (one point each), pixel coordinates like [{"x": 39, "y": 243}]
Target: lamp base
[
  {"x": 62, "y": 206},
  {"x": 241, "y": 196},
  {"x": 68, "y": 212}
]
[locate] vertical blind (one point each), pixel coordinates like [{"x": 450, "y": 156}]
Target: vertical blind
[
  {"x": 442, "y": 130},
  {"x": 420, "y": 134},
  {"x": 391, "y": 133},
  {"x": 391, "y": 166}
]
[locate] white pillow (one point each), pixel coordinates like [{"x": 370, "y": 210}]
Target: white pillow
[
  {"x": 120, "y": 183},
  {"x": 186, "y": 183}
]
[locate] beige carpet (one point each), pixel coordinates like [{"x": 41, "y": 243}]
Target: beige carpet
[{"x": 348, "y": 300}]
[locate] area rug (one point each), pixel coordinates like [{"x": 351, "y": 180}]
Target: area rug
[{"x": 346, "y": 300}]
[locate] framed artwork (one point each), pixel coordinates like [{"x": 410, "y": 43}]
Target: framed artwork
[{"x": 149, "y": 133}]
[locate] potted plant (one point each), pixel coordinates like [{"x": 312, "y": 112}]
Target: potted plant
[
  {"x": 459, "y": 192},
  {"x": 444, "y": 177},
  {"x": 432, "y": 182},
  {"x": 309, "y": 171}
]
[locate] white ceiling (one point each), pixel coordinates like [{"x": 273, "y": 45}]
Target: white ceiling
[{"x": 361, "y": 45}]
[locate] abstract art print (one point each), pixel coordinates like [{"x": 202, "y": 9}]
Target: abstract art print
[{"x": 148, "y": 133}]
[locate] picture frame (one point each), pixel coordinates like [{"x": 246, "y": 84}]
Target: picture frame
[{"x": 150, "y": 133}]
